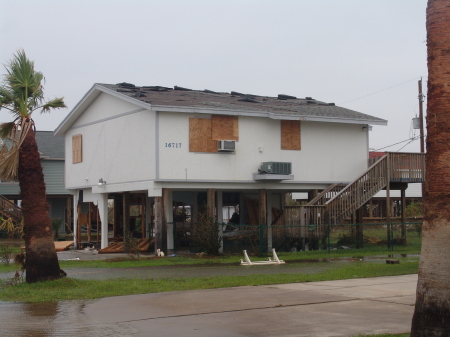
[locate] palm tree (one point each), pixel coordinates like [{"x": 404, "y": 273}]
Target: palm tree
[
  {"x": 432, "y": 312},
  {"x": 21, "y": 93}
]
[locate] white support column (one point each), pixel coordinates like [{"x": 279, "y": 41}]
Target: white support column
[
  {"x": 168, "y": 210},
  {"x": 75, "y": 219},
  {"x": 102, "y": 204},
  {"x": 220, "y": 217}
]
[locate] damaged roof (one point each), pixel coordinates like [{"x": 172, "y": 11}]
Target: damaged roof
[
  {"x": 281, "y": 105},
  {"x": 159, "y": 98}
]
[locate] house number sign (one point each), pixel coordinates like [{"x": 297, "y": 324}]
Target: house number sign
[{"x": 173, "y": 145}]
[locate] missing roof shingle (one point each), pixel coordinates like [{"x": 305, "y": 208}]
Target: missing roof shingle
[
  {"x": 284, "y": 97},
  {"x": 126, "y": 85},
  {"x": 249, "y": 99},
  {"x": 181, "y": 88}
]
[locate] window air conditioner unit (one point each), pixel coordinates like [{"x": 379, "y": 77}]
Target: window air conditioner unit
[
  {"x": 226, "y": 145},
  {"x": 273, "y": 167}
]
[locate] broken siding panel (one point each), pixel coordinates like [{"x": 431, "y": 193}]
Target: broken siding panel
[
  {"x": 225, "y": 127},
  {"x": 77, "y": 149},
  {"x": 200, "y": 136},
  {"x": 290, "y": 135}
]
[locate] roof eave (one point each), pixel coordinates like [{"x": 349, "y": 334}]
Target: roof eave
[{"x": 267, "y": 114}]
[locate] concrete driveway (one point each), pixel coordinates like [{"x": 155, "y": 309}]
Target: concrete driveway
[{"x": 330, "y": 308}]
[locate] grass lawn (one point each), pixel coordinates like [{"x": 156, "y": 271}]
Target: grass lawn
[
  {"x": 70, "y": 289},
  {"x": 146, "y": 261}
]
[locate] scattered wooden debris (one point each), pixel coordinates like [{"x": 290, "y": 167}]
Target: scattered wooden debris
[
  {"x": 275, "y": 260},
  {"x": 118, "y": 247},
  {"x": 62, "y": 245}
]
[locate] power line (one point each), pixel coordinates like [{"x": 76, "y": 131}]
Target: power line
[
  {"x": 407, "y": 140},
  {"x": 415, "y": 78}
]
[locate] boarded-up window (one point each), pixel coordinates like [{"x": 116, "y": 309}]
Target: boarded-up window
[
  {"x": 200, "y": 136},
  {"x": 290, "y": 135},
  {"x": 77, "y": 149},
  {"x": 225, "y": 127}
]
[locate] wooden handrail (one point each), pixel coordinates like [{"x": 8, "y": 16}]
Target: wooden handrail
[
  {"x": 326, "y": 194},
  {"x": 10, "y": 209},
  {"x": 334, "y": 204}
]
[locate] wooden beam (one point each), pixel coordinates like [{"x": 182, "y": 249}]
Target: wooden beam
[
  {"x": 79, "y": 225},
  {"x": 160, "y": 223},
  {"x": 159, "y": 213},
  {"x": 262, "y": 218},
  {"x": 69, "y": 214},
  {"x": 359, "y": 227},
  {"x": 126, "y": 212},
  {"x": 388, "y": 213},
  {"x": 143, "y": 215},
  {"x": 403, "y": 216},
  {"x": 211, "y": 203},
  {"x": 89, "y": 224},
  {"x": 167, "y": 207}
]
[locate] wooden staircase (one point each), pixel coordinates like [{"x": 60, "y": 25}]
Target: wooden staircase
[
  {"x": 10, "y": 210},
  {"x": 336, "y": 203}
]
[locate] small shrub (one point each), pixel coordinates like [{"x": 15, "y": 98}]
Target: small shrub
[
  {"x": 56, "y": 225},
  {"x": 6, "y": 254},
  {"x": 131, "y": 244},
  {"x": 414, "y": 209},
  {"x": 205, "y": 235}
]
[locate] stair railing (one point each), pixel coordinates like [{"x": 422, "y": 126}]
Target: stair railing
[{"x": 9, "y": 209}]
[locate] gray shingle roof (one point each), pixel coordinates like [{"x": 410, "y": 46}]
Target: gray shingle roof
[
  {"x": 288, "y": 106},
  {"x": 49, "y": 145}
]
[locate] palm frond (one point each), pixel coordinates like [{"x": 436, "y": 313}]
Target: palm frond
[
  {"x": 6, "y": 97},
  {"x": 6, "y": 129},
  {"x": 24, "y": 83},
  {"x": 56, "y": 103},
  {"x": 9, "y": 157}
]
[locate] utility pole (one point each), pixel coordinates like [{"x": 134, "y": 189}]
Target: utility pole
[
  {"x": 422, "y": 142},
  {"x": 421, "y": 97}
]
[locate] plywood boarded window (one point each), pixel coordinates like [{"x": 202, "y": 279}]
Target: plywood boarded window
[
  {"x": 200, "y": 135},
  {"x": 290, "y": 135},
  {"x": 225, "y": 127},
  {"x": 77, "y": 149}
]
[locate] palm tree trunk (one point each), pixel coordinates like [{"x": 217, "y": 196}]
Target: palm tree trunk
[
  {"x": 432, "y": 312},
  {"x": 41, "y": 260}
]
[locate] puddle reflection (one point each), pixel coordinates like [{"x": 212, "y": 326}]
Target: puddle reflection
[{"x": 51, "y": 319}]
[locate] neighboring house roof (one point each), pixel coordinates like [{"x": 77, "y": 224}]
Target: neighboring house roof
[
  {"x": 234, "y": 103},
  {"x": 49, "y": 146}
]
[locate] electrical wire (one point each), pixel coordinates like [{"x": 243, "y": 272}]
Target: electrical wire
[
  {"x": 415, "y": 78},
  {"x": 407, "y": 140},
  {"x": 412, "y": 139}
]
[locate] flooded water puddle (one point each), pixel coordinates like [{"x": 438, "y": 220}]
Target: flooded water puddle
[{"x": 65, "y": 318}]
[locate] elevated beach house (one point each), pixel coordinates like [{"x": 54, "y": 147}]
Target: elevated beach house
[{"x": 163, "y": 155}]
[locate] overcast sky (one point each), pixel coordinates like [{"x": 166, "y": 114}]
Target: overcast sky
[{"x": 365, "y": 55}]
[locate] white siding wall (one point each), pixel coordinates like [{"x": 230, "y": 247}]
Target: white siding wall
[
  {"x": 330, "y": 151},
  {"x": 118, "y": 149}
]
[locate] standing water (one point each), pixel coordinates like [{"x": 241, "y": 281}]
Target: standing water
[{"x": 51, "y": 319}]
